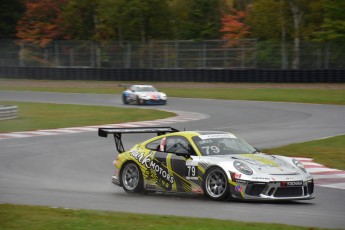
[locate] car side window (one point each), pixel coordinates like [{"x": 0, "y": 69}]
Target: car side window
[
  {"x": 132, "y": 88},
  {"x": 178, "y": 145},
  {"x": 154, "y": 145}
]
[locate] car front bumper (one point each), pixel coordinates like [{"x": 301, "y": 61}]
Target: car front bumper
[{"x": 272, "y": 191}]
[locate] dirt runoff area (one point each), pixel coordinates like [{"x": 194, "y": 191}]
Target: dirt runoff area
[{"x": 113, "y": 84}]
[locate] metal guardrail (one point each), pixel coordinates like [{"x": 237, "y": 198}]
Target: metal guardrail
[{"x": 8, "y": 112}]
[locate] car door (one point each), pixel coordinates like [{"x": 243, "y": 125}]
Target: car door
[
  {"x": 179, "y": 153},
  {"x": 158, "y": 176},
  {"x": 170, "y": 159}
]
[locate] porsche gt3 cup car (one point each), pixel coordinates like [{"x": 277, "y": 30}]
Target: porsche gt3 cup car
[
  {"x": 143, "y": 94},
  {"x": 216, "y": 164}
]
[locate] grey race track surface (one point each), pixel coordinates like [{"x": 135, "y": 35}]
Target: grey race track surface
[{"x": 74, "y": 170}]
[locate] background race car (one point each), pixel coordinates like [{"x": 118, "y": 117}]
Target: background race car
[{"x": 143, "y": 95}]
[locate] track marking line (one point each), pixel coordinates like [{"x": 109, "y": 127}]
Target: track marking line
[
  {"x": 323, "y": 176},
  {"x": 181, "y": 116}
]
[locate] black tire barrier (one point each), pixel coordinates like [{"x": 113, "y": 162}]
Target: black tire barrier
[
  {"x": 8, "y": 112},
  {"x": 176, "y": 75}
]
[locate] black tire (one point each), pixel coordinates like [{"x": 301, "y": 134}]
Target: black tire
[
  {"x": 132, "y": 178},
  {"x": 216, "y": 185},
  {"x": 138, "y": 101}
]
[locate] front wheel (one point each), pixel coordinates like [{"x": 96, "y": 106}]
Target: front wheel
[
  {"x": 124, "y": 99},
  {"x": 131, "y": 178},
  {"x": 216, "y": 185}
]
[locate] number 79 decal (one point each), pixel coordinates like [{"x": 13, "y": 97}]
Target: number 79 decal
[
  {"x": 213, "y": 149},
  {"x": 191, "y": 172}
]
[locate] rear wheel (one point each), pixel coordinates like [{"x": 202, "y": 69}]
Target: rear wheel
[
  {"x": 131, "y": 178},
  {"x": 216, "y": 184}
]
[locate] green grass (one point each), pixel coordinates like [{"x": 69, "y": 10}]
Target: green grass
[
  {"x": 33, "y": 116},
  {"x": 329, "y": 152},
  {"x": 41, "y": 218},
  {"x": 189, "y": 90},
  {"x": 320, "y": 96}
]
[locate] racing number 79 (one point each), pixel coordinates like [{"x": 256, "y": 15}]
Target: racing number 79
[{"x": 191, "y": 171}]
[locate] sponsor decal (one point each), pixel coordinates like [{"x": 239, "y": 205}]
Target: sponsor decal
[
  {"x": 237, "y": 175},
  {"x": 291, "y": 183},
  {"x": 197, "y": 190},
  {"x": 150, "y": 186},
  {"x": 203, "y": 142},
  {"x": 263, "y": 160},
  {"x": 239, "y": 188},
  {"x": 260, "y": 178},
  {"x": 154, "y": 167},
  {"x": 219, "y": 135},
  {"x": 241, "y": 181}
]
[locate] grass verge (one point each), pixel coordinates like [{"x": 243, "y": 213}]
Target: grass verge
[
  {"x": 329, "y": 151},
  {"x": 305, "y": 93},
  {"x": 37, "y": 218},
  {"x": 34, "y": 116}
]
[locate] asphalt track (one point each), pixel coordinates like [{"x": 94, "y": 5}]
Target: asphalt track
[{"x": 74, "y": 170}]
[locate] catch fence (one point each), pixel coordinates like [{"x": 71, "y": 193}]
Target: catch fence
[{"x": 179, "y": 54}]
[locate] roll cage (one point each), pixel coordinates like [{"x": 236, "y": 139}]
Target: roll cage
[{"x": 117, "y": 133}]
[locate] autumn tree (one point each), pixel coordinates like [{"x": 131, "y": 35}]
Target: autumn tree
[
  {"x": 42, "y": 22},
  {"x": 234, "y": 27}
]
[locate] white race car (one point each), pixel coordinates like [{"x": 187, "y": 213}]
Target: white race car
[{"x": 143, "y": 95}]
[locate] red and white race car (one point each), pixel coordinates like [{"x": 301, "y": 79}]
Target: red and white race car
[{"x": 143, "y": 95}]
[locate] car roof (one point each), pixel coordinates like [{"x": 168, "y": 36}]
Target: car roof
[
  {"x": 142, "y": 85},
  {"x": 197, "y": 133}
]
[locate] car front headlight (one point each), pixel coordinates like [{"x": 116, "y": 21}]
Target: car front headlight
[
  {"x": 299, "y": 165},
  {"x": 243, "y": 168}
]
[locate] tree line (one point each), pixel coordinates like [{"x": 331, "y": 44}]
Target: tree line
[
  {"x": 43, "y": 21},
  {"x": 284, "y": 30}
]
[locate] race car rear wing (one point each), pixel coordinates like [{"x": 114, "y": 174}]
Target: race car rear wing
[{"x": 117, "y": 132}]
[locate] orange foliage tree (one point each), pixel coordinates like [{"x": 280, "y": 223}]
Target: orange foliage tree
[
  {"x": 234, "y": 27},
  {"x": 42, "y": 22}
]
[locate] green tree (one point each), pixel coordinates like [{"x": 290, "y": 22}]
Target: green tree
[
  {"x": 10, "y": 13},
  {"x": 285, "y": 20},
  {"x": 80, "y": 19},
  {"x": 333, "y": 25},
  {"x": 139, "y": 20},
  {"x": 203, "y": 20}
]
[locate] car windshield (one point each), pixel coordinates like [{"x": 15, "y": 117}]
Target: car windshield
[
  {"x": 222, "y": 144},
  {"x": 146, "y": 89}
]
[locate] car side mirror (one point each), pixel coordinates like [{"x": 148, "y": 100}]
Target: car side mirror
[{"x": 183, "y": 152}]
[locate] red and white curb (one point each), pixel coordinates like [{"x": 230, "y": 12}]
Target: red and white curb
[
  {"x": 181, "y": 117},
  {"x": 323, "y": 176}
]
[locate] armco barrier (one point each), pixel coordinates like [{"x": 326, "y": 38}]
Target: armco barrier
[
  {"x": 8, "y": 112},
  {"x": 176, "y": 75}
]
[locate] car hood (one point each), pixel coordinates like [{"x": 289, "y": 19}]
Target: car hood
[
  {"x": 150, "y": 94},
  {"x": 260, "y": 163}
]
